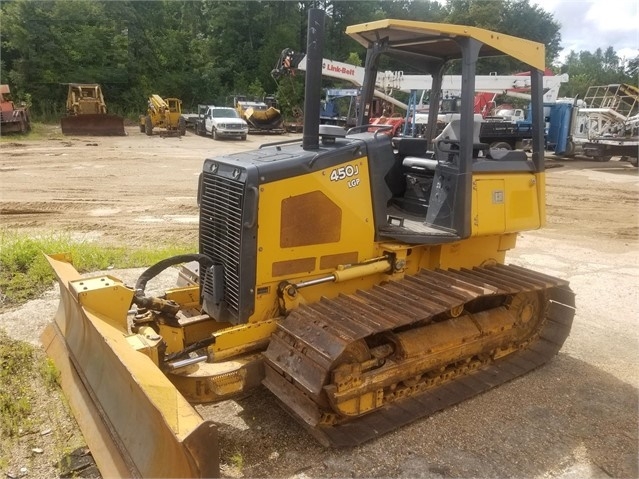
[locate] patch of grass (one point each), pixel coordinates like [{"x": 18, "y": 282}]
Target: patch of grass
[
  {"x": 39, "y": 131},
  {"x": 49, "y": 373},
  {"x": 17, "y": 360},
  {"x": 25, "y": 273},
  {"x": 237, "y": 460}
]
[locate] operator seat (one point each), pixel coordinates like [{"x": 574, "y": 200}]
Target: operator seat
[{"x": 451, "y": 134}]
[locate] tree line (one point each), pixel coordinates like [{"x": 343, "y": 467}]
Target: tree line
[{"x": 207, "y": 51}]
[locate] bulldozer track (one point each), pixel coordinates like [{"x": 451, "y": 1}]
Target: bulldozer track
[{"x": 314, "y": 339}]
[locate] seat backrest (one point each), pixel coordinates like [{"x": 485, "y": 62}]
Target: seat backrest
[
  {"x": 452, "y": 130},
  {"x": 410, "y": 146}
]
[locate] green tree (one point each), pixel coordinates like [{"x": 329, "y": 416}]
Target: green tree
[
  {"x": 208, "y": 50},
  {"x": 46, "y": 44},
  {"x": 513, "y": 17},
  {"x": 587, "y": 69}
]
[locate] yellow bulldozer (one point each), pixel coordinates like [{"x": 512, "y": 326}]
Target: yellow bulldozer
[
  {"x": 360, "y": 278},
  {"x": 163, "y": 113},
  {"x": 87, "y": 113}
]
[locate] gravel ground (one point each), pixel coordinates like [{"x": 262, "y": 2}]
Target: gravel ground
[{"x": 577, "y": 417}]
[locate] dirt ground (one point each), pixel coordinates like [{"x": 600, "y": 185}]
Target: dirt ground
[{"x": 574, "y": 418}]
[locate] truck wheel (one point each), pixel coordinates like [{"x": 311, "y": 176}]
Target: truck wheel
[
  {"x": 570, "y": 149},
  {"x": 243, "y": 137},
  {"x": 602, "y": 159},
  {"x": 215, "y": 135},
  {"x": 633, "y": 161},
  {"x": 500, "y": 145},
  {"x": 141, "y": 127},
  {"x": 148, "y": 126},
  {"x": 182, "y": 126}
]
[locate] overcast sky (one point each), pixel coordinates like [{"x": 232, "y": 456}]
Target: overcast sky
[{"x": 591, "y": 24}]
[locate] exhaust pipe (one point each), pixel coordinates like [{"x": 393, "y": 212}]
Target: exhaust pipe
[{"x": 313, "y": 89}]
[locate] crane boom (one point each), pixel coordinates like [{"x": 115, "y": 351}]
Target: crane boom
[{"x": 397, "y": 80}]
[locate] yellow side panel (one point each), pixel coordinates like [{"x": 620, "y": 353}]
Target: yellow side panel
[
  {"x": 489, "y": 216},
  {"x": 507, "y": 203},
  {"x": 310, "y": 224},
  {"x": 474, "y": 251},
  {"x": 306, "y": 220},
  {"x": 541, "y": 197}
]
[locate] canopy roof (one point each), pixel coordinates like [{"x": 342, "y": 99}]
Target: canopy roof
[{"x": 436, "y": 40}]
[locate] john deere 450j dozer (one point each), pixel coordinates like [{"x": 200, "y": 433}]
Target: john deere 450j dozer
[{"x": 361, "y": 281}]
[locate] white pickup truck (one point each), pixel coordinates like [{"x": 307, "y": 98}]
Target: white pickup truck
[{"x": 220, "y": 122}]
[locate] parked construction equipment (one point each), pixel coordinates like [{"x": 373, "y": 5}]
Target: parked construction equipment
[
  {"x": 386, "y": 82},
  {"x": 12, "y": 119},
  {"x": 165, "y": 114},
  {"x": 364, "y": 285},
  {"x": 260, "y": 116},
  {"x": 339, "y": 107},
  {"x": 605, "y": 123},
  {"x": 87, "y": 113}
]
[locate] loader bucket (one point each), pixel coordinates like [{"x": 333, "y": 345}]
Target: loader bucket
[
  {"x": 93, "y": 124},
  {"x": 265, "y": 120},
  {"x": 134, "y": 420}
]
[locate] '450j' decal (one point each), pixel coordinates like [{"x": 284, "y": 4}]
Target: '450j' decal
[{"x": 346, "y": 173}]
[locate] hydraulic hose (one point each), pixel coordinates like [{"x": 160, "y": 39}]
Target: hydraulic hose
[{"x": 158, "y": 304}]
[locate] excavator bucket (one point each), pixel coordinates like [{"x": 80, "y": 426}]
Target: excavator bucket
[
  {"x": 134, "y": 420},
  {"x": 93, "y": 124}
]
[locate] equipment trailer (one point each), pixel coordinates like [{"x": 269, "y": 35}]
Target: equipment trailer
[{"x": 361, "y": 305}]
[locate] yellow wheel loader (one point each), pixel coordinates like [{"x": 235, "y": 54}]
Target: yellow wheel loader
[
  {"x": 163, "y": 113},
  {"x": 87, "y": 113},
  {"x": 360, "y": 278}
]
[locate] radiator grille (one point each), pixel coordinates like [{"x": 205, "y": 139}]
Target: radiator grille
[{"x": 221, "y": 206}]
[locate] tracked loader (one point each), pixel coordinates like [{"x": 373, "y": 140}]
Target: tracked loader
[
  {"x": 360, "y": 278},
  {"x": 87, "y": 113}
]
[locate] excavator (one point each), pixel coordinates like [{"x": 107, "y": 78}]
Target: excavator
[{"x": 361, "y": 279}]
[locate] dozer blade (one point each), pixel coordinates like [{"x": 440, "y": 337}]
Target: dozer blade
[
  {"x": 93, "y": 125},
  {"x": 134, "y": 420}
]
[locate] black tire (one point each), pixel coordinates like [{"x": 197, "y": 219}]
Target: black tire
[
  {"x": 633, "y": 161},
  {"x": 148, "y": 126},
  {"x": 215, "y": 135},
  {"x": 141, "y": 127},
  {"x": 243, "y": 137},
  {"x": 182, "y": 126},
  {"x": 570, "y": 149},
  {"x": 500, "y": 145},
  {"x": 602, "y": 159}
]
